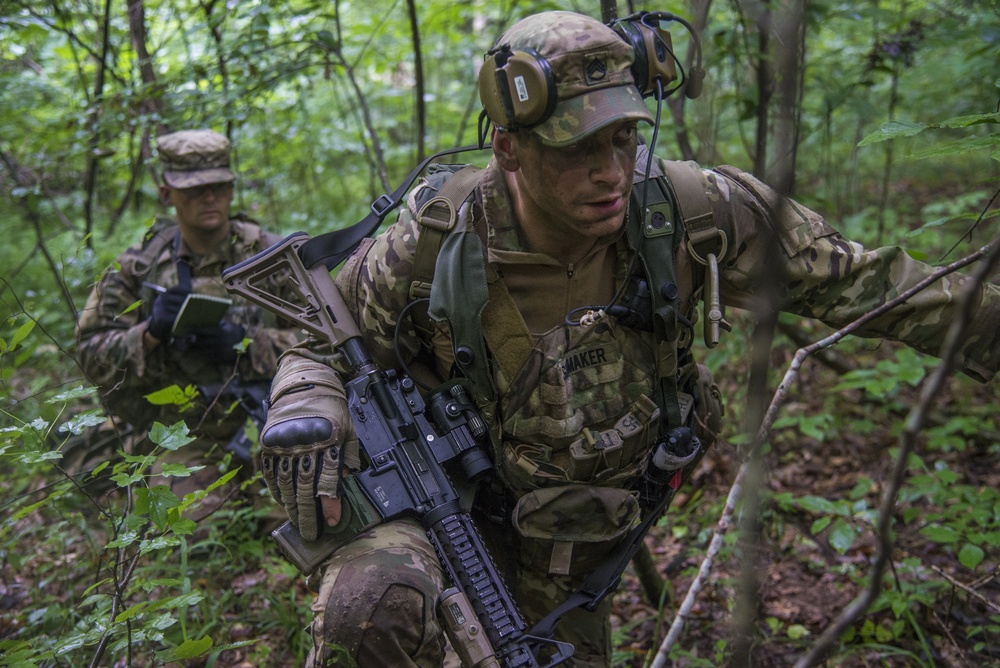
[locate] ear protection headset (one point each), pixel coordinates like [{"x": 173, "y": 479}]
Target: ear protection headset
[{"x": 518, "y": 90}]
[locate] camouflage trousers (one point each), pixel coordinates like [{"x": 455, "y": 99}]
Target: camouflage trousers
[{"x": 377, "y": 602}]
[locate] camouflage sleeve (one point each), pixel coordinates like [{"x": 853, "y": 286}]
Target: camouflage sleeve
[
  {"x": 109, "y": 345},
  {"x": 375, "y": 282},
  {"x": 825, "y": 276}
]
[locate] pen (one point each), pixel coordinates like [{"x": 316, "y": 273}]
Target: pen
[{"x": 154, "y": 287}]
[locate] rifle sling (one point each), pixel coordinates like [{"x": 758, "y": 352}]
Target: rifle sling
[{"x": 331, "y": 248}]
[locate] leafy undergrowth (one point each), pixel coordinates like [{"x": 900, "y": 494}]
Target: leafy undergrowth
[
  {"x": 217, "y": 595},
  {"x": 831, "y": 456}
]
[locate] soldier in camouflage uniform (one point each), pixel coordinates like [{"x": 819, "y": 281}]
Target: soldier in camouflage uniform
[
  {"x": 125, "y": 341},
  {"x": 572, "y": 426}
]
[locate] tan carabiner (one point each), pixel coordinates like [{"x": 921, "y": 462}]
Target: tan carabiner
[
  {"x": 714, "y": 316},
  {"x": 714, "y": 320}
]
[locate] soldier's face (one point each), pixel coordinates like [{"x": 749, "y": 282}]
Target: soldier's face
[
  {"x": 581, "y": 189},
  {"x": 202, "y": 209}
]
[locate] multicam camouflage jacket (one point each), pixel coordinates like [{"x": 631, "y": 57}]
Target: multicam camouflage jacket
[
  {"x": 579, "y": 410},
  {"x": 111, "y": 326}
]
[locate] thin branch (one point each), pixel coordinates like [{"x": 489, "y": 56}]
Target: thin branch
[
  {"x": 968, "y": 589},
  {"x": 36, "y": 223},
  {"x": 684, "y": 611}
]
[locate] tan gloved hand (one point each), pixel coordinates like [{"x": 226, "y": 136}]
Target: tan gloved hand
[{"x": 307, "y": 441}]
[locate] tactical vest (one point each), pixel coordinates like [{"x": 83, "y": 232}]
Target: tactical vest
[{"x": 450, "y": 269}]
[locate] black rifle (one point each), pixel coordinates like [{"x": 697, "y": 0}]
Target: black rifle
[
  {"x": 252, "y": 399},
  {"x": 409, "y": 452}
]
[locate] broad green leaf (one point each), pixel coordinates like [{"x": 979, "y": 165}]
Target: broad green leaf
[
  {"x": 76, "y": 393},
  {"x": 34, "y": 456},
  {"x": 182, "y": 526},
  {"x": 971, "y": 555},
  {"x": 172, "y": 437},
  {"x": 820, "y": 524},
  {"x": 159, "y": 543},
  {"x": 958, "y": 147},
  {"x": 80, "y": 423},
  {"x": 173, "y": 395},
  {"x": 841, "y": 536},
  {"x": 21, "y": 333},
  {"x": 966, "y": 121},
  {"x": 131, "y": 611},
  {"x": 940, "y": 534},
  {"x": 124, "y": 479},
  {"x": 892, "y": 130},
  {"x": 178, "y": 470},
  {"x": 125, "y": 538},
  {"x": 817, "y": 504},
  {"x": 189, "y": 649},
  {"x": 796, "y": 631},
  {"x": 156, "y": 502}
]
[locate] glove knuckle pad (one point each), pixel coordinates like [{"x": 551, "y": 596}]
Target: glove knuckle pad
[{"x": 297, "y": 432}]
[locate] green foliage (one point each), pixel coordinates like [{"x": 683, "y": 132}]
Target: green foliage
[
  {"x": 881, "y": 382},
  {"x": 991, "y": 141},
  {"x": 290, "y": 81},
  {"x": 960, "y": 518},
  {"x": 143, "y": 601}
]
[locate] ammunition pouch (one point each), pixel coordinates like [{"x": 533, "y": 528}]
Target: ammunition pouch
[{"x": 572, "y": 529}]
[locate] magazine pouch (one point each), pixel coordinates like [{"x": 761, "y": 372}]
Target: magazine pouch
[{"x": 571, "y": 529}]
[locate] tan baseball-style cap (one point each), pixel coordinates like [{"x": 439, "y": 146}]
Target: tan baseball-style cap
[
  {"x": 591, "y": 67},
  {"x": 194, "y": 158}
]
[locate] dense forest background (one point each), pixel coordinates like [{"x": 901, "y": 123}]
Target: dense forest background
[{"x": 881, "y": 114}]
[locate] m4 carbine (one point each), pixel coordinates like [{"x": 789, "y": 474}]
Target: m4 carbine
[
  {"x": 251, "y": 398},
  {"x": 410, "y": 449}
]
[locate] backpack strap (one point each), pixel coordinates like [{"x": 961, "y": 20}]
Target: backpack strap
[
  {"x": 332, "y": 248},
  {"x": 437, "y": 217},
  {"x": 688, "y": 187},
  {"x": 503, "y": 328},
  {"x": 706, "y": 242}
]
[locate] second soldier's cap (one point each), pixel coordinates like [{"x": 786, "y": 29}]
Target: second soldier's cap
[{"x": 194, "y": 158}]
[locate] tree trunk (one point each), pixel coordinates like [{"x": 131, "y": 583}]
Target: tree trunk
[
  {"x": 93, "y": 123},
  {"x": 418, "y": 67}
]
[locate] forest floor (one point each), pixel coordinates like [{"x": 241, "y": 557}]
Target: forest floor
[{"x": 802, "y": 583}]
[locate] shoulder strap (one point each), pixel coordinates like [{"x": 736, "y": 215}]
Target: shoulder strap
[
  {"x": 437, "y": 217},
  {"x": 688, "y": 185},
  {"x": 707, "y": 243}
]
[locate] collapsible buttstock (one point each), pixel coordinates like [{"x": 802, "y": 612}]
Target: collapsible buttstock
[{"x": 318, "y": 306}]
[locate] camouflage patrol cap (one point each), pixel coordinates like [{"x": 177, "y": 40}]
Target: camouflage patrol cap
[
  {"x": 591, "y": 66},
  {"x": 194, "y": 158}
]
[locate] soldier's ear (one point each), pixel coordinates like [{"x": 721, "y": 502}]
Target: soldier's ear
[
  {"x": 505, "y": 150},
  {"x": 165, "y": 198}
]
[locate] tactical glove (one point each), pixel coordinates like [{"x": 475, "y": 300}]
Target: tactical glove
[
  {"x": 307, "y": 441},
  {"x": 218, "y": 342},
  {"x": 165, "y": 309}
]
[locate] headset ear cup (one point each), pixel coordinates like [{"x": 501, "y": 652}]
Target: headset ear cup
[
  {"x": 517, "y": 88},
  {"x": 490, "y": 93},
  {"x": 653, "y": 55},
  {"x": 630, "y": 32}
]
